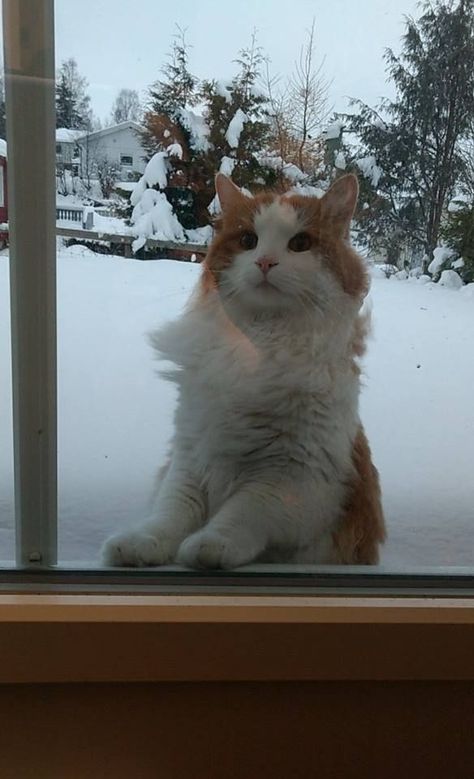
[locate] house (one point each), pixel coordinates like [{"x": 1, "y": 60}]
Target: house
[
  {"x": 119, "y": 144},
  {"x": 67, "y": 150}
]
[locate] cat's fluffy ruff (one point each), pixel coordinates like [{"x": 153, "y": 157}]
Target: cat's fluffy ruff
[{"x": 269, "y": 459}]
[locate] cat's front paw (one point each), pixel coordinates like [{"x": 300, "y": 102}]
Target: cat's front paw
[
  {"x": 209, "y": 549},
  {"x": 139, "y": 548}
]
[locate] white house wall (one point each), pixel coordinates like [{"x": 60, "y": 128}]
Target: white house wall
[{"x": 113, "y": 146}]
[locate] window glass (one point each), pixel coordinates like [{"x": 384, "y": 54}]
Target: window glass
[
  {"x": 261, "y": 381},
  {"x": 7, "y": 551}
]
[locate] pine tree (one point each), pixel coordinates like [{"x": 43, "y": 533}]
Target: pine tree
[
  {"x": 177, "y": 89},
  {"x": 416, "y": 137},
  {"x": 73, "y": 109},
  {"x": 241, "y": 100}
]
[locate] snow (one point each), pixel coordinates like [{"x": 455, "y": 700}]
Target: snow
[
  {"x": 227, "y": 165},
  {"x": 65, "y": 135},
  {"x": 459, "y": 263},
  {"x": 126, "y": 186},
  {"x": 153, "y": 217},
  {"x": 440, "y": 255},
  {"x": 156, "y": 171},
  {"x": 368, "y": 166},
  {"x": 340, "y": 161},
  {"x": 111, "y": 225},
  {"x": 288, "y": 169},
  {"x": 223, "y": 90},
  {"x": 236, "y": 125},
  {"x": 451, "y": 279},
  {"x": 138, "y": 190},
  {"x": 3, "y": 148},
  {"x": 197, "y": 128},
  {"x": 308, "y": 190},
  {"x": 115, "y": 412},
  {"x": 333, "y": 130},
  {"x": 175, "y": 150},
  {"x": 200, "y": 235},
  {"x": 377, "y": 273}
]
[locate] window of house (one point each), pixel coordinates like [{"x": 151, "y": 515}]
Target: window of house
[{"x": 90, "y": 416}]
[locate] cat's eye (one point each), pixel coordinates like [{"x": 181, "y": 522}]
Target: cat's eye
[
  {"x": 248, "y": 241},
  {"x": 300, "y": 242}
]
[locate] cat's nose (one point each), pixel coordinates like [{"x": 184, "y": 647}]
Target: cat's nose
[{"x": 265, "y": 263}]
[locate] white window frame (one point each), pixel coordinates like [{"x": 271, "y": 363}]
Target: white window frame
[{"x": 28, "y": 36}]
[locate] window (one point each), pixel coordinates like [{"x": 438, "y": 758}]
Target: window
[{"x": 101, "y": 423}]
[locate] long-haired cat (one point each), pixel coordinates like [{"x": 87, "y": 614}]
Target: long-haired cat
[{"x": 269, "y": 458}]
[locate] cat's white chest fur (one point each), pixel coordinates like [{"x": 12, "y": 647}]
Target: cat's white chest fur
[{"x": 274, "y": 395}]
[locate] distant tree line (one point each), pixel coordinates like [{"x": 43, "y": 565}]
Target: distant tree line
[{"x": 414, "y": 153}]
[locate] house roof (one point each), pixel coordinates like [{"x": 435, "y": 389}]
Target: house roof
[
  {"x": 113, "y": 129},
  {"x": 65, "y": 135}
]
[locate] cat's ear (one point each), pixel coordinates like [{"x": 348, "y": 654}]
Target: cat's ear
[
  {"x": 339, "y": 202},
  {"x": 229, "y": 194}
]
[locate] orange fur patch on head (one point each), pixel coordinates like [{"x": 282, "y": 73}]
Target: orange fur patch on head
[
  {"x": 325, "y": 219},
  {"x": 229, "y": 227}
]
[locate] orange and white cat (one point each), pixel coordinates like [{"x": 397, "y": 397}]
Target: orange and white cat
[{"x": 269, "y": 458}]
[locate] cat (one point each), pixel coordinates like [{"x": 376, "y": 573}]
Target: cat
[{"x": 269, "y": 458}]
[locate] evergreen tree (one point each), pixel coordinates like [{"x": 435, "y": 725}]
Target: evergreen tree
[
  {"x": 177, "y": 89},
  {"x": 73, "y": 109},
  {"x": 236, "y": 120},
  {"x": 239, "y": 124},
  {"x": 416, "y": 137}
]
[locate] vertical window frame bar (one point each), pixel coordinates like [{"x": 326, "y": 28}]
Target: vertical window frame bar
[{"x": 28, "y": 40}]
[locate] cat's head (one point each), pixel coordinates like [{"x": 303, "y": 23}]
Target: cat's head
[{"x": 277, "y": 252}]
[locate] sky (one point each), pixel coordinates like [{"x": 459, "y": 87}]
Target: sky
[{"x": 118, "y": 43}]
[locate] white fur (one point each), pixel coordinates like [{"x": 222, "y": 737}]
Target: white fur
[{"x": 266, "y": 417}]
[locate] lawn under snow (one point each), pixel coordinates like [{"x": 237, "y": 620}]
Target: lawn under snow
[{"x": 115, "y": 413}]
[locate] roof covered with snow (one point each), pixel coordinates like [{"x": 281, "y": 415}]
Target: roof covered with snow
[
  {"x": 66, "y": 135},
  {"x": 114, "y": 128}
]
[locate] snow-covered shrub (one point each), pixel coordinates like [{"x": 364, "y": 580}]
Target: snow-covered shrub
[
  {"x": 153, "y": 215},
  {"x": 450, "y": 279},
  {"x": 443, "y": 256},
  {"x": 458, "y": 233}
]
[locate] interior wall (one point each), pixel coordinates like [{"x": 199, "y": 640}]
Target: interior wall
[{"x": 238, "y": 729}]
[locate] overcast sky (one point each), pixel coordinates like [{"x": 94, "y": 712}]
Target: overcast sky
[{"x": 119, "y": 43}]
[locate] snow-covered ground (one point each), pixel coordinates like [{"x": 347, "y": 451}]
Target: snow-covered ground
[{"x": 115, "y": 413}]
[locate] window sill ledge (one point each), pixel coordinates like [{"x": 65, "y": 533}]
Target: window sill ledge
[{"x": 110, "y": 638}]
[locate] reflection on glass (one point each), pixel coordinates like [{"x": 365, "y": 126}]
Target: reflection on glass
[
  {"x": 137, "y": 149},
  {"x": 7, "y": 535}
]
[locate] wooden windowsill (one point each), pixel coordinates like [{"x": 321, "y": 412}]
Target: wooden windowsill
[{"x": 105, "y": 638}]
